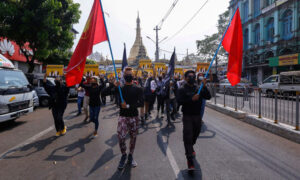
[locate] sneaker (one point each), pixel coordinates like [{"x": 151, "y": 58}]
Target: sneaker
[
  {"x": 162, "y": 115},
  {"x": 122, "y": 162},
  {"x": 64, "y": 131},
  {"x": 131, "y": 161},
  {"x": 95, "y": 134},
  {"x": 58, "y": 134}
]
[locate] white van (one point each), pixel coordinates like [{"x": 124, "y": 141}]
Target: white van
[
  {"x": 16, "y": 95},
  {"x": 286, "y": 82}
]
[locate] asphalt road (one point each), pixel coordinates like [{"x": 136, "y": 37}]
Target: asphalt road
[{"x": 226, "y": 149}]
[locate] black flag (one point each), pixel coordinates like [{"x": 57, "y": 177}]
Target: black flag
[{"x": 171, "y": 68}]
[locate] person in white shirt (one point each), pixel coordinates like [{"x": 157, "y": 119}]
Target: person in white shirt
[{"x": 80, "y": 98}]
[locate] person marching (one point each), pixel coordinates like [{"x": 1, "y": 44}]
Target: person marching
[
  {"x": 171, "y": 101},
  {"x": 58, "y": 103},
  {"x": 160, "y": 97},
  {"x": 86, "y": 99},
  {"x": 95, "y": 103},
  {"x": 80, "y": 96},
  {"x": 129, "y": 120},
  {"x": 191, "y": 108}
]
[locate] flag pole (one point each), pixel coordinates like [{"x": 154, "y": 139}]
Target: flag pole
[
  {"x": 216, "y": 53},
  {"x": 111, "y": 53}
]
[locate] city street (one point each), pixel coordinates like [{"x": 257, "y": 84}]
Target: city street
[{"x": 226, "y": 149}]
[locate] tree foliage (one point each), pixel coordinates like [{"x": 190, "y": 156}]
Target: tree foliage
[
  {"x": 90, "y": 61},
  {"x": 44, "y": 26},
  {"x": 208, "y": 46}
]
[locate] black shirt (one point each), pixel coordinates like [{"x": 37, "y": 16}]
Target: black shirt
[
  {"x": 94, "y": 93},
  {"x": 58, "y": 95},
  {"x": 185, "y": 95},
  {"x": 133, "y": 96}
]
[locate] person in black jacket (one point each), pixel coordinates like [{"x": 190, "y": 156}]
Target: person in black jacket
[
  {"x": 95, "y": 103},
  {"x": 191, "y": 108},
  {"x": 129, "y": 119},
  {"x": 58, "y": 103}
]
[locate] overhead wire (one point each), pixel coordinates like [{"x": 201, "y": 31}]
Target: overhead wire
[
  {"x": 167, "y": 14},
  {"x": 187, "y": 23}
]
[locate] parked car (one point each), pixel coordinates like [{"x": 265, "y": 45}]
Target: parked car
[
  {"x": 37, "y": 81},
  {"x": 287, "y": 82},
  {"x": 36, "y": 102},
  {"x": 242, "y": 87},
  {"x": 72, "y": 92}
]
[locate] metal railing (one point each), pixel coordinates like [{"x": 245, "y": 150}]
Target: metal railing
[{"x": 281, "y": 106}]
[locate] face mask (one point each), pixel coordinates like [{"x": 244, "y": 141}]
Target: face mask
[
  {"x": 57, "y": 83},
  {"x": 94, "y": 84},
  {"x": 191, "y": 80},
  {"x": 128, "y": 78},
  {"x": 160, "y": 78}
]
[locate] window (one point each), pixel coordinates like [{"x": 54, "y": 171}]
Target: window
[
  {"x": 246, "y": 10},
  {"x": 256, "y": 8},
  {"x": 271, "y": 79},
  {"x": 286, "y": 79},
  {"x": 287, "y": 23},
  {"x": 246, "y": 39},
  {"x": 257, "y": 34},
  {"x": 270, "y": 30}
]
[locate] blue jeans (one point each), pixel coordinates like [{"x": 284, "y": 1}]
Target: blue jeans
[
  {"x": 94, "y": 114},
  {"x": 202, "y": 108},
  {"x": 79, "y": 103}
]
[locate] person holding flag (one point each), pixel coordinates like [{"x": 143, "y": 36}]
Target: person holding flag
[
  {"x": 129, "y": 119},
  {"x": 232, "y": 42}
]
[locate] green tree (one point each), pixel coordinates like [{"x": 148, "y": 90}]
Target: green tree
[
  {"x": 44, "y": 26},
  {"x": 208, "y": 46},
  {"x": 90, "y": 61}
]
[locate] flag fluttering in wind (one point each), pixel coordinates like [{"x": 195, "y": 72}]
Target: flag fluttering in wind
[
  {"x": 171, "y": 68},
  {"x": 93, "y": 33},
  {"x": 233, "y": 44}
]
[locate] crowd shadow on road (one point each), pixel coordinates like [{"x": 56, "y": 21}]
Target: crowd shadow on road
[
  {"x": 164, "y": 132},
  {"x": 107, "y": 156},
  {"x": 204, "y": 129},
  {"x": 197, "y": 174},
  {"x": 9, "y": 125},
  {"x": 79, "y": 144},
  {"x": 37, "y": 145},
  {"x": 125, "y": 174}
]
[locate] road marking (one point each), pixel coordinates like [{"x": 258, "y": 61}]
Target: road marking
[
  {"x": 28, "y": 141},
  {"x": 169, "y": 154}
]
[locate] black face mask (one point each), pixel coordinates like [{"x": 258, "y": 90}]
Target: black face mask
[
  {"x": 57, "y": 83},
  {"x": 128, "y": 78},
  {"x": 191, "y": 80},
  {"x": 160, "y": 78}
]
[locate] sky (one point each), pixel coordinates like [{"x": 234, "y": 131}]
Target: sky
[{"x": 121, "y": 24}]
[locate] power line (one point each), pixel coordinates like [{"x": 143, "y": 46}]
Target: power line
[
  {"x": 187, "y": 23},
  {"x": 167, "y": 14}
]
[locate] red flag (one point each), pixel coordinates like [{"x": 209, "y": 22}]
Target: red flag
[
  {"x": 233, "y": 44},
  {"x": 93, "y": 33}
]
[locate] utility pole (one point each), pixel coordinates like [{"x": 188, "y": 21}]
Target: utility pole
[{"x": 157, "y": 48}]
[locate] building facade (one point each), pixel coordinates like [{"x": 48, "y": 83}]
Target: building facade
[{"x": 271, "y": 31}]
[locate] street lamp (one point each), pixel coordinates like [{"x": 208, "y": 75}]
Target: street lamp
[{"x": 157, "y": 48}]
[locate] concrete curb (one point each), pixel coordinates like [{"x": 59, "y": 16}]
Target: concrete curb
[{"x": 279, "y": 129}]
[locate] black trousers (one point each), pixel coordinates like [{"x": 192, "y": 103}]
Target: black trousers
[
  {"x": 103, "y": 98},
  {"x": 58, "y": 113},
  {"x": 191, "y": 129},
  {"x": 169, "y": 103},
  {"x": 160, "y": 103}
]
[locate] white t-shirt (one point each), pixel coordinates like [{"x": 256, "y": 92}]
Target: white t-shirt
[{"x": 80, "y": 93}]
